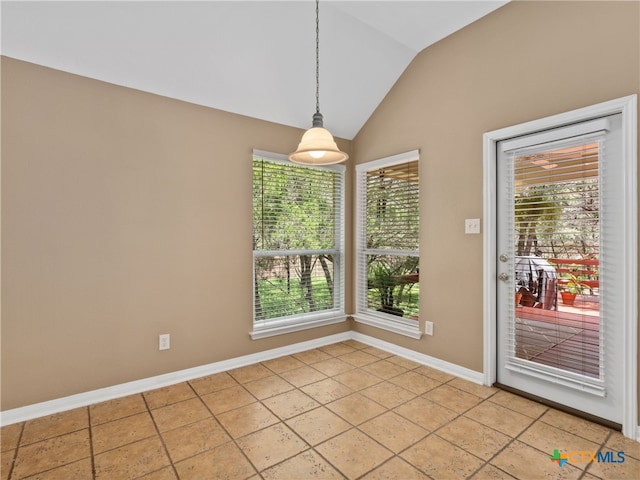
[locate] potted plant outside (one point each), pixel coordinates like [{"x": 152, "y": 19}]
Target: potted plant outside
[{"x": 572, "y": 287}]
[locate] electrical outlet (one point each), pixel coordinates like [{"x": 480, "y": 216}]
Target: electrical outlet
[
  {"x": 164, "y": 342},
  {"x": 472, "y": 225},
  {"x": 428, "y": 328}
]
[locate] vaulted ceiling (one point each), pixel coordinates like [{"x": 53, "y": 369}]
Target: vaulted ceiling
[{"x": 255, "y": 58}]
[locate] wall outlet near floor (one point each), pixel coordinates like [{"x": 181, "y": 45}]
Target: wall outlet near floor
[
  {"x": 428, "y": 328},
  {"x": 164, "y": 342}
]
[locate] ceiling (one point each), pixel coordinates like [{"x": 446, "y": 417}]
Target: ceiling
[{"x": 255, "y": 58}]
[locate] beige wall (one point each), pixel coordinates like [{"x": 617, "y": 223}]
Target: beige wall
[
  {"x": 525, "y": 61},
  {"x": 124, "y": 215}
]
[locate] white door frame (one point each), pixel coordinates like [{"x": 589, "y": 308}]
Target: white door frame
[{"x": 627, "y": 106}]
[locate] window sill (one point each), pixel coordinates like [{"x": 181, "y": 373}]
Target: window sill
[
  {"x": 282, "y": 329},
  {"x": 390, "y": 325}
]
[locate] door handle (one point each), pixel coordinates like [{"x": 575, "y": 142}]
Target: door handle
[{"x": 503, "y": 276}]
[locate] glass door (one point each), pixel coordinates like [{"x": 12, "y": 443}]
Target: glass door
[{"x": 559, "y": 332}]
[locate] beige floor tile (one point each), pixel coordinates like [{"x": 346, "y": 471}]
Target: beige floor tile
[
  {"x": 388, "y": 394},
  {"x": 578, "y": 426},
  {"x": 519, "y": 404},
  {"x": 283, "y": 364},
  {"x": 271, "y": 445},
  {"x": 414, "y": 382},
  {"x": 250, "y": 373},
  {"x": 332, "y": 366},
  {"x": 318, "y": 425},
  {"x": 376, "y": 352},
  {"x": 384, "y": 369},
  {"x": 403, "y": 362},
  {"x": 355, "y": 344},
  {"x": 452, "y": 398},
  {"x": 162, "y": 397},
  {"x": 396, "y": 468},
  {"x": 629, "y": 469},
  {"x": 10, "y": 435},
  {"x": 358, "y": 358},
  {"x": 6, "y": 463},
  {"x": 473, "y": 388},
  {"x": 131, "y": 461},
  {"x": 51, "y": 453},
  {"x": 499, "y": 418},
  {"x": 223, "y": 462},
  {"x": 307, "y": 465},
  {"x": 357, "y": 379},
  {"x": 53, "y": 425},
  {"x": 213, "y": 383},
  {"x": 326, "y": 390},
  {"x": 228, "y": 399},
  {"x": 353, "y": 453},
  {"x": 303, "y": 376},
  {"x": 588, "y": 476},
  {"x": 523, "y": 461},
  {"x": 337, "y": 349},
  {"x": 118, "y": 408},
  {"x": 312, "y": 356},
  {"x": 247, "y": 419},
  {"x": 190, "y": 440},
  {"x": 426, "y": 413},
  {"x": 617, "y": 442},
  {"x": 393, "y": 431},
  {"x": 179, "y": 414},
  {"x": 546, "y": 437},
  {"x": 489, "y": 472},
  {"x": 290, "y": 404},
  {"x": 268, "y": 387},
  {"x": 473, "y": 437},
  {"x": 440, "y": 459},
  {"x": 434, "y": 374},
  {"x": 166, "y": 473},
  {"x": 80, "y": 470},
  {"x": 108, "y": 436},
  {"x": 355, "y": 408}
]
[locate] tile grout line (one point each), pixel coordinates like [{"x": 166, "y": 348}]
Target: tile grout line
[
  {"x": 15, "y": 454},
  {"x": 160, "y": 437},
  {"x": 91, "y": 449}
]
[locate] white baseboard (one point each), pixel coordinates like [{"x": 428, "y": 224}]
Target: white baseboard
[
  {"x": 447, "y": 367},
  {"x": 58, "y": 405},
  {"x": 50, "y": 407}
]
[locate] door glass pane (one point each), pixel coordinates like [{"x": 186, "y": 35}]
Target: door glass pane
[{"x": 556, "y": 218}]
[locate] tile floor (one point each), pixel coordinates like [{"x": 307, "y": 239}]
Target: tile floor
[{"x": 346, "y": 410}]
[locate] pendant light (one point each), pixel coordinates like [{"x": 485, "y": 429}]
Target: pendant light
[{"x": 317, "y": 146}]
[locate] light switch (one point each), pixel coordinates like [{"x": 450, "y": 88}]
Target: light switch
[{"x": 472, "y": 225}]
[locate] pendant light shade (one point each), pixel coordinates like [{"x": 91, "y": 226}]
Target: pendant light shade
[{"x": 317, "y": 146}]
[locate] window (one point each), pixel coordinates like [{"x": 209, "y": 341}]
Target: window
[
  {"x": 298, "y": 245},
  {"x": 387, "y": 257}
]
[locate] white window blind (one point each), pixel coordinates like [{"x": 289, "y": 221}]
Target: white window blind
[
  {"x": 557, "y": 209},
  {"x": 388, "y": 227},
  {"x": 298, "y": 238}
]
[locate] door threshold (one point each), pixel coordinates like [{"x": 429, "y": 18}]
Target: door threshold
[{"x": 563, "y": 408}]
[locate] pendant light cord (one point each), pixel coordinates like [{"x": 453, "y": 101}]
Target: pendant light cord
[{"x": 317, "y": 56}]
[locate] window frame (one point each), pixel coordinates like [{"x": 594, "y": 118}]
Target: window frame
[
  {"x": 297, "y": 322},
  {"x": 396, "y": 324}
]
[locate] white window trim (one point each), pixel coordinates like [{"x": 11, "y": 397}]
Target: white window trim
[
  {"x": 282, "y": 326},
  {"x": 401, "y": 326}
]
